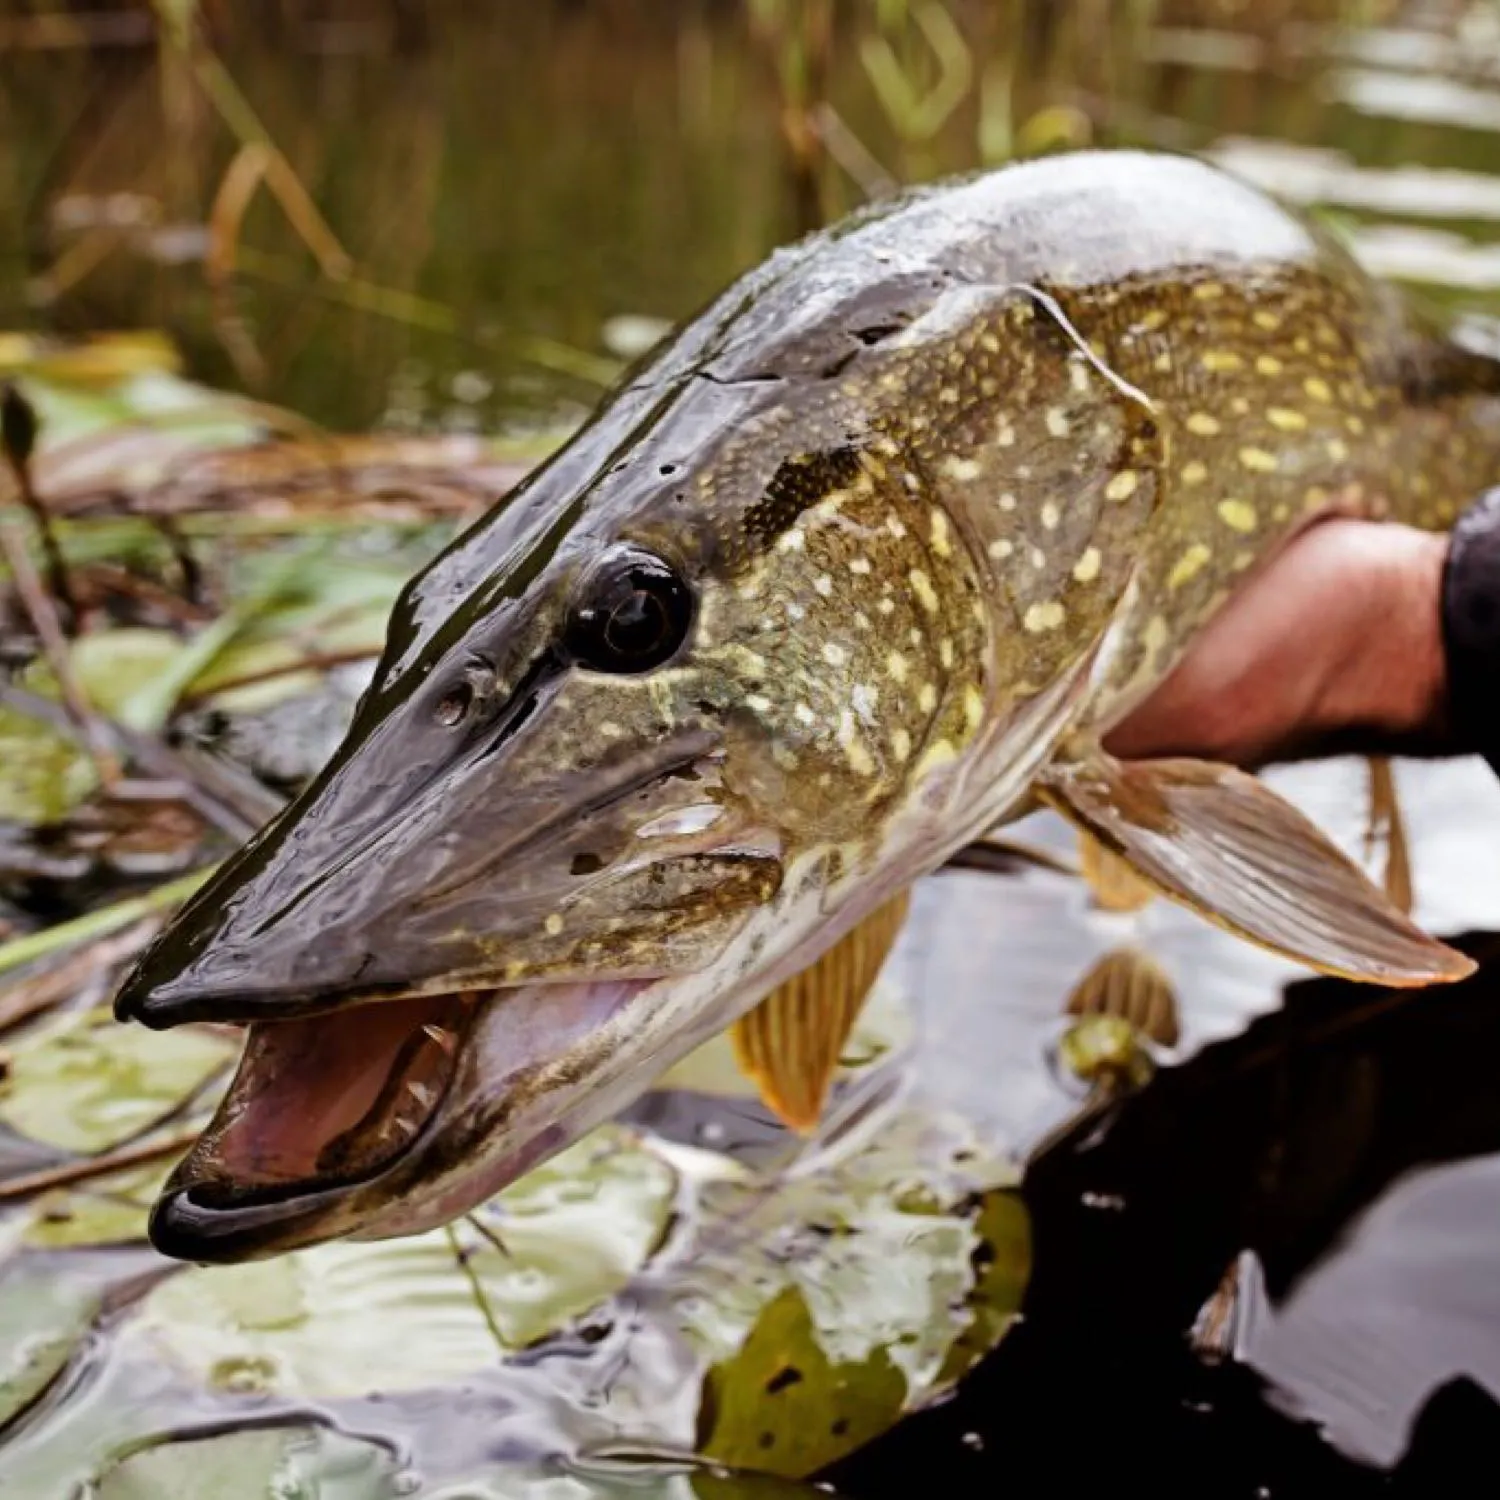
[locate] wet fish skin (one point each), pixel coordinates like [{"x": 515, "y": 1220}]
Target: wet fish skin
[{"x": 953, "y": 486}]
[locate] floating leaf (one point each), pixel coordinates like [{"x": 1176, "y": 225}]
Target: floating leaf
[
  {"x": 348, "y": 1318},
  {"x": 86, "y": 1083},
  {"x": 783, "y": 1406},
  {"x": 278, "y": 1463},
  {"x": 43, "y": 774},
  {"x": 574, "y": 1232},
  {"x": 106, "y": 1211},
  {"x": 43, "y": 1313}
]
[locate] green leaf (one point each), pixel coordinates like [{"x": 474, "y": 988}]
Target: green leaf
[
  {"x": 574, "y": 1232},
  {"x": 86, "y": 1083},
  {"x": 109, "y": 1210},
  {"x": 348, "y": 1318},
  {"x": 285, "y": 1463},
  {"x": 43, "y": 774},
  {"x": 43, "y": 1314},
  {"x": 781, "y": 1405}
]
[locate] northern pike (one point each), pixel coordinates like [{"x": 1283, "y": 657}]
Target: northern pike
[{"x": 865, "y": 562}]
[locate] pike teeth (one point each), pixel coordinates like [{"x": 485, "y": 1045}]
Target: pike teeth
[
  {"x": 421, "y": 1093},
  {"x": 442, "y": 1036}
]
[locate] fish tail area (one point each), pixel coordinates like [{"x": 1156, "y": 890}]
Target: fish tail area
[
  {"x": 1221, "y": 843},
  {"x": 789, "y": 1046}
]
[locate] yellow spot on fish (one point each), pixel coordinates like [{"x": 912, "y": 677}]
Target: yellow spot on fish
[
  {"x": 1001, "y": 549},
  {"x": 823, "y": 584},
  {"x": 1078, "y": 375},
  {"x": 1315, "y": 498},
  {"x": 834, "y": 654},
  {"x": 922, "y": 587},
  {"x": 1007, "y": 501},
  {"x": 927, "y": 698},
  {"x": 1050, "y": 515},
  {"x": 1264, "y": 318},
  {"x": 791, "y": 541},
  {"x": 1338, "y": 450},
  {"x": 1038, "y": 558},
  {"x": 1281, "y": 512},
  {"x": 1057, "y": 422},
  {"x": 1208, "y": 291},
  {"x": 1162, "y": 362},
  {"x": 860, "y": 565},
  {"x": 1194, "y": 472},
  {"x": 1047, "y": 615},
  {"x": 973, "y": 708},
  {"x": 895, "y": 526},
  {"x": 1238, "y": 515},
  {"x": 1267, "y": 364},
  {"x": 949, "y": 395},
  {"x": 1222, "y": 361},
  {"x": 804, "y": 715},
  {"x": 1152, "y": 320},
  {"x": 1317, "y": 388},
  {"x": 1086, "y": 569},
  {"x": 758, "y": 703},
  {"x": 1258, "y": 461},
  {"x": 1005, "y": 434},
  {"x": 1203, "y": 424},
  {"x": 939, "y": 535},
  {"x": 1285, "y": 419},
  {"x": 553, "y": 924},
  {"x": 900, "y": 745},
  {"x": 610, "y": 730},
  {"x": 1123, "y": 485},
  {"x": 1189, "y": 565},
  {"x": 962, "y": 469},
  {"x": 895, "y": 666},
  {"x": 987, "y": 340},
  {"x": 945, "y": 652},
  {"x": 860, "y": 760},
  {"x": 1354, "y": 424}
]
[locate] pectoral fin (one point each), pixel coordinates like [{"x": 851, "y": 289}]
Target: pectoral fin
[
  {"x": 1223, "y": 844},
  {"x": 790, "y": 1044}
]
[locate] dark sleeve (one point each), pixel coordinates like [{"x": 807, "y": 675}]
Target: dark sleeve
[{"x": 1471, "y": 629}]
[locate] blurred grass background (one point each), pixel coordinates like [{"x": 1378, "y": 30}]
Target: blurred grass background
[{"x": 427, "y": 213}]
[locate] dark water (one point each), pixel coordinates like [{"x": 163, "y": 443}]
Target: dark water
[{"x": 1271, "y": 1272}]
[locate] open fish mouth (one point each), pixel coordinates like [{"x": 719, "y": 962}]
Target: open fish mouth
[{"x": 333, "y": 1120}]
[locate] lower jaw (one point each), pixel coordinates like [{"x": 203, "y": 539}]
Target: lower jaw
[{"x": 211, "y": 1214}]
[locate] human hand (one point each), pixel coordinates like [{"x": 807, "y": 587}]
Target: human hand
[{"x": 1335, "y": 645}]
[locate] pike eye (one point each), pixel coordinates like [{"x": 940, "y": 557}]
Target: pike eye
[{"x": 634, "y": 614}]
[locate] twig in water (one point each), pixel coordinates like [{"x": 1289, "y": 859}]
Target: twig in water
[
  {"x": 18, "y": 428},
  {"x": 55, "y": 646},
  {"x": 97, "y": 1166}
]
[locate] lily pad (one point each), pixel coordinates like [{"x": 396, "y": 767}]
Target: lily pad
[
  {"x": 783, "y": 1406},
  {"x": 108, "y": 1211},
  {"x": 350, "y": 1318},
  {"x": 902, "y": 1262},
  {"x": 87, "y": 1083},
  {"x": 43, "y": 1314},
  {"x": 295, "y": 1463}
]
